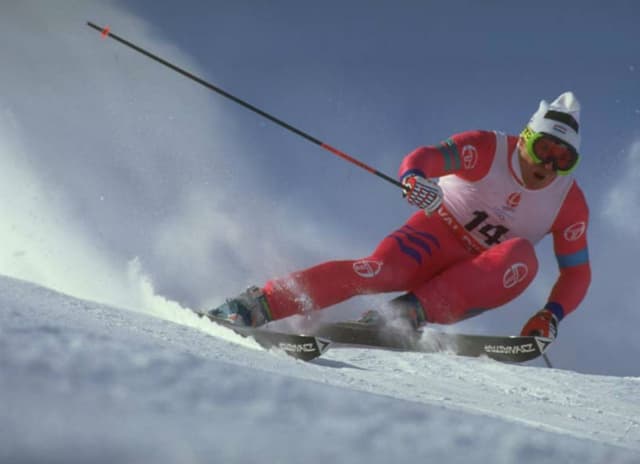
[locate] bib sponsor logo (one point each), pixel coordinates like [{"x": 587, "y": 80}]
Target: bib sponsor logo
[
  {"x": 367, "y": 268},
  {"x": 575, "y": 231},
  {"x": 469, "y": 157},
  {"x": 514, "y": 275},
  {"x": 469, "y": 243},
  {"x": 513, "y": 200}
]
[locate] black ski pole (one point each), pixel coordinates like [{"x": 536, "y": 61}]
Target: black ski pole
[{"x": 106, "y": 32}]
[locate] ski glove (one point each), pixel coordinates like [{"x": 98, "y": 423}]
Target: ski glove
[
  {"x": 423, "y": 193},
  {"x": 543, "y": 324}
]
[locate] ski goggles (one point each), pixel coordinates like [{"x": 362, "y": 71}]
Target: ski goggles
[{"x": 545, "y": 148}]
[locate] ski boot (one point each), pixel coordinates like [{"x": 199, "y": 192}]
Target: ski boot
[
  {"x": 405, "y": 309},
  {"x": 249, "y": 309},
  {"x": 373, "y": 317}
]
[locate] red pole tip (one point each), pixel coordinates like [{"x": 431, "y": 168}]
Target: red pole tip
[{"x": 105, "y": 32}]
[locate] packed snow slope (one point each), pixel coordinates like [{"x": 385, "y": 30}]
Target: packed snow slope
[{"x": 84, "y": 382}]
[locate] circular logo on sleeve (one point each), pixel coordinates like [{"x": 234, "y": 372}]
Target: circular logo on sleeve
[
  {"x": 469, "y": 157},
  {"x": 367, "y": 268},
  {"x": 575, "y": 231}
]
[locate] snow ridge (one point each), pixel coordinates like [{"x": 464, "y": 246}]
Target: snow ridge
[{"x": 84, "y": 382}]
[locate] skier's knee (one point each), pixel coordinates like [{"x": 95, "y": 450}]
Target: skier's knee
[
  {"x": 524, "y": 253},
  {"x": 521, "y": 265}
]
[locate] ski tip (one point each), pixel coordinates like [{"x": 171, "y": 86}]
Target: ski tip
[
  {"x": 543, "y": 343},
  {"x": 323, "y": 344}
]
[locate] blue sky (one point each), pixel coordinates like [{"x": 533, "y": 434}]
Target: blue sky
[{"x": 110, "y": 157}]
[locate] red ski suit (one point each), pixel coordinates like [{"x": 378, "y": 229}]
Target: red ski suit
[{"x": 475, "y": 253}]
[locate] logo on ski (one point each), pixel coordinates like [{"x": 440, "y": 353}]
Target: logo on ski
[
  {"x": 543, "y": 343},
  {"x": 510, "y": 349},
  {"x": 298, "y": 347},
  {"x": 319, "y": 346}
]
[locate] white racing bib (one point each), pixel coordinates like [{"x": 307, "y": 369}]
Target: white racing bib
[{"x": 497, "y": 208}]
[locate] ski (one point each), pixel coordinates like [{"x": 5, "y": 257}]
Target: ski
[
  {"x": 303, "y": 347},
  {"x": 315, "y": 342},
  {"x": 514, "y": 349}
]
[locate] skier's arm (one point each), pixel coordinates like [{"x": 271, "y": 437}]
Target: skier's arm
[
  {"x": 570, "y": 246},
  {"x": 467, "y": 154}
]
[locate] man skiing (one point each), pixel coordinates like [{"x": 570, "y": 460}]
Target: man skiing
[{"x": 486, "y": 198}]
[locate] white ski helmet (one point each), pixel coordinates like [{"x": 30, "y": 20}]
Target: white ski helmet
[{"x": 561, "y": 119}]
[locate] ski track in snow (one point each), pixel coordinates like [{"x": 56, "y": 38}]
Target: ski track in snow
[{"x": 84, "y": 382}]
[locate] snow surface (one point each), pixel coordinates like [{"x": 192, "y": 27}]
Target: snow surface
[{"x": 85, "y": 382}]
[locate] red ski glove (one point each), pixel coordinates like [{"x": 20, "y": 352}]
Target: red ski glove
[
  {"x": 543, "y": 324},
  {"x": 423, "y": 193}
]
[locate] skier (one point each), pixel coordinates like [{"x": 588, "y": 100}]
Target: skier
[{"x": 486, "y": 199}]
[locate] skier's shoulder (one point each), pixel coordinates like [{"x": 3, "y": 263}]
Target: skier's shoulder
[
  {"x": 474, "y": 146},
  {"x": 574, "y": 211},
  {"x": 576, "y": 199},
  {"x": 477, "y": 137}
]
